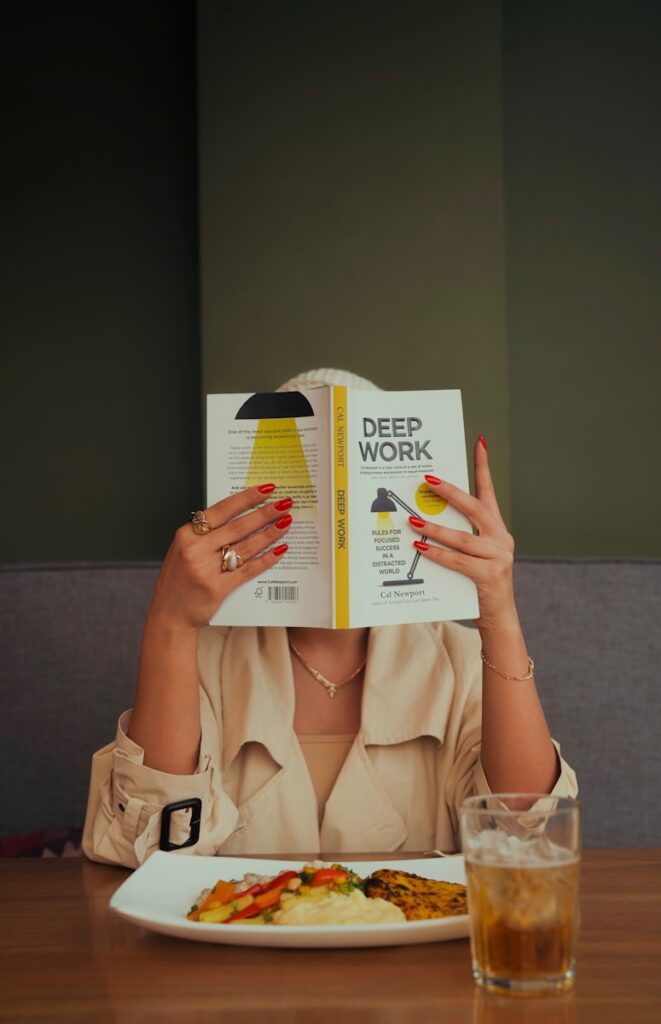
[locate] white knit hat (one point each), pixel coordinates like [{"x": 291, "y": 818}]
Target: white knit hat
[{"x": 318, "y": 378}]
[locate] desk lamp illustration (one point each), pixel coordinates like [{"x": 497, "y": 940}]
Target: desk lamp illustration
[
  {"x": 385, "y": 502},
  {"x": 277, "y": 451}
]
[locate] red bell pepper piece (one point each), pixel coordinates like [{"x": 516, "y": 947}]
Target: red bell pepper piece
[
  {"x": 281, "y": 881},
  {"x": 251, "y": 911},
  {"x": 249, "y": 892},
  {"x": 325, "y": 875}
]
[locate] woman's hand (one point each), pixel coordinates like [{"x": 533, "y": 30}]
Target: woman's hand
[
  {"x": 191, "y": 587},
  {"x": 487, "y": 556},
  {"x": 517, "y": 754}
]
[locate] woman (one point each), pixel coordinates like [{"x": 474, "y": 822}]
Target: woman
[{"x": 236, "y": 724}]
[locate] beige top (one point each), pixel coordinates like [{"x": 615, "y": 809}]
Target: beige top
[
  {"x": 415, "y": 758},
  {"x": 324, "y": 756}
]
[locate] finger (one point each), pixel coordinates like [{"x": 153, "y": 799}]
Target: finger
[
  {"x": 225, "y": 509},
  {"x": 479, "y": 515},
  {"x": 255, "y": 566},
  {"x": 459, "y": 540},
  {"x": 251, "y": 522},
  {"x": 484, "y": 488},
  {"x": 256, "y": 543},
  {"x": 467, "y": 565}
]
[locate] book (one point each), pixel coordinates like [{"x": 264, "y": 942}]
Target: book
[{"x": 354, "y": 463}]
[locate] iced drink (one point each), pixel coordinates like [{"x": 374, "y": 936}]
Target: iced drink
[{"x": 522, "y": 900}]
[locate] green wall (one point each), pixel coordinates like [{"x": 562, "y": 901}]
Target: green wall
[
  {"x": 428, "y": 193},
  {"x": 368, "y": 171},
  {"x": 351, "y": 198},
  {"x": 582, "y": 101},
  {"x": 100, "y": 337}
]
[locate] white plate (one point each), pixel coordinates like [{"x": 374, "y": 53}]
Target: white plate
[{"x": 160, "y": 893}]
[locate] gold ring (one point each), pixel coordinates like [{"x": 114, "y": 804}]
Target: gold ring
[
  {"x": 199, "y": 523},
  {"x": 230, "y": 559}
]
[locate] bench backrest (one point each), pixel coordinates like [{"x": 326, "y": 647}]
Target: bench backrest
[{"x": 69, "y": 641}]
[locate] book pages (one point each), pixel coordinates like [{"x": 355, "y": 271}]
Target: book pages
[{"x": 280, "y": 438}]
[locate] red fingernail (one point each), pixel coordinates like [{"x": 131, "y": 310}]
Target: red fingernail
[
  {"x": 482, "y": 441},
  {"x": 416, "y": 521},
  {"x": 266, "y": 488},
  {"x": 420, "y": 545},
  {"x": 432, "y": 479},
  {"x": 283, "y": 521},
  {"x": 283, "y": 504},
  {"x": 280, "y": 550}
]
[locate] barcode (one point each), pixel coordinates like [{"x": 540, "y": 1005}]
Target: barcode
[{"x": 283, "y": 594}]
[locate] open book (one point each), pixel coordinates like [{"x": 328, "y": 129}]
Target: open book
[{"x": 354, "y": 462}]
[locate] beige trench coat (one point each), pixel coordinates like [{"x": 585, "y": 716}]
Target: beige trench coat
[{"x": 416, "y": 757}]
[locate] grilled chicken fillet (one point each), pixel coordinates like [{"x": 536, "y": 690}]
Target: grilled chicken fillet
[{"x": 419, "y": 898}]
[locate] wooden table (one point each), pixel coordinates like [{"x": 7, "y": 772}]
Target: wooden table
[{"x": 66, "y": 957}]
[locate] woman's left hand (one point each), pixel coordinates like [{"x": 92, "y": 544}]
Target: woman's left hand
[{"x": 487, "y": 556}]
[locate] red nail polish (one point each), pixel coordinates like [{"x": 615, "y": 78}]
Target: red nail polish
[
  {"x": 266, "y": 488},
  {"x": 416, "y": 521},
  {"x": 283, "y": 521},
  {"x": 283, "y": 504},
  {"x": 280, "y": 550},
  {"x": 420, "y": 545},
  {"x": 482, "y": 441},
  {"x": 432, "y": 479}
]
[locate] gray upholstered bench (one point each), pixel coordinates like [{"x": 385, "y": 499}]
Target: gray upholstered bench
[{"x": 69, "y": 640}]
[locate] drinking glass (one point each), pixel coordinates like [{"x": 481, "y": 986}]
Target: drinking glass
[{"x": 522, "y": 853}]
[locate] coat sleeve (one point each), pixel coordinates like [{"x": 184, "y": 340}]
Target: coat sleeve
[
  {"x": 464, "y": 651},
  {"x": 126, "y": 798},
  {"x": 565, "y": 785}
]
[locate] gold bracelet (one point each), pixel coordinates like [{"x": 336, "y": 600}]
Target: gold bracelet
[{"x": 519, "y": 679}]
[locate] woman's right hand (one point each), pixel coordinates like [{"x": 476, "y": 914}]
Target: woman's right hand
[{"x": 191, "y": 586}]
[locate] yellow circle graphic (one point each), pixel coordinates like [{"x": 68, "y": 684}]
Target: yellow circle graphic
[{"x": 429, "y": 503}]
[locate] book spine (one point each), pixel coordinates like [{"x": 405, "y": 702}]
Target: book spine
[{"x": 341, "y": 508}]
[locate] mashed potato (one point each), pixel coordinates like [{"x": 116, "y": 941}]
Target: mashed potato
[{"x": 336, "y": 908}]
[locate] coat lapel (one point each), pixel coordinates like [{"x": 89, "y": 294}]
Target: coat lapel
[
  {"x": 408, "y": 685},
  {"x": 258, "y": 707},
  {"x": 257, "y": 692},
  {"x": 359, "y": 814},
  {"x": 406, "y": 695}
]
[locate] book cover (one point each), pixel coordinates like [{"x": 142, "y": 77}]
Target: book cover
[
  {"x": 393, "y": 439},
  {"x": 354, "y": 463}
]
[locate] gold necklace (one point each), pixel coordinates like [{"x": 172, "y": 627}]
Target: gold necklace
[{"x": 330, "y": 688}]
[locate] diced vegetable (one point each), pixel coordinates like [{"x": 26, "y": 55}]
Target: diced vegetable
[
  {"x": 268, "y": 899},
  {"x": 324, "y": 875},
  {"x": 243, "y": 906},
  {"x": 220, "y": 894},
  {"x": 280, "y": 881},
  {"x": 252, "y": 910},
  {"x": 251, "y": 890},
  {"x": 242, "y": 902},
  {"x": 218, "y": 915},
  {"x": 223, "y": 891}
]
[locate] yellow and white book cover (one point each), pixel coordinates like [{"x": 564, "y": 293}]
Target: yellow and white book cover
[{"x": 355, "y": 463}]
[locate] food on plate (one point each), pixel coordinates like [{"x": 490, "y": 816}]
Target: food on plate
[
  {"x": 318, "y": 894},
  {"x": 327, "y": 894},
  {"x": 419, "y": 898},
  {"x": 338, "y": 908}
]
